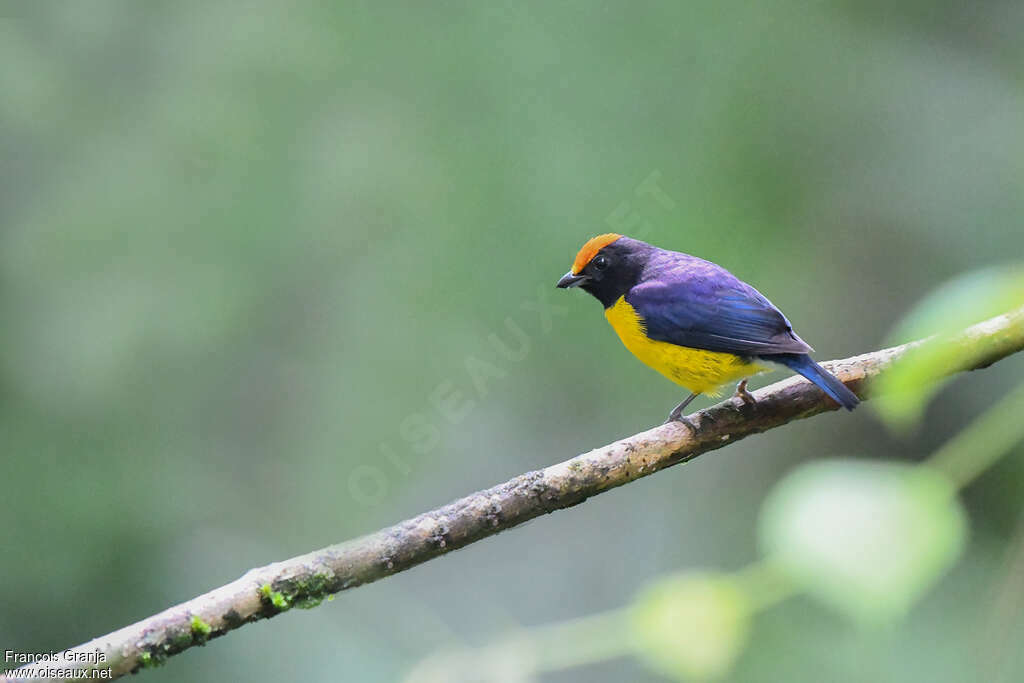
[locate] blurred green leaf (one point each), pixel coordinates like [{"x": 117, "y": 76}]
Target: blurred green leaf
[
  {"x": 691, "y": 626},
  {"x": 239, "y": 248},
  {"x": 905, "y": 389},
  {"x": 866, "y": 538},
  {"x": 979, "y": 445}
]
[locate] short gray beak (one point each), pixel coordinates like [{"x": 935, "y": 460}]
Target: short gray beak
[{"x": 570, "y": 279}]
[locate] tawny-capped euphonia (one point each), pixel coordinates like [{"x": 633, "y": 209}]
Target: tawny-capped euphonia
[{"x": 691, "y": 320}]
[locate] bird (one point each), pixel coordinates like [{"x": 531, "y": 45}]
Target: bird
[{"x": 692, "y": 320}]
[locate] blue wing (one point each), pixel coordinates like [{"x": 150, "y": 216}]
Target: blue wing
[{"x": 692, "y": 302}]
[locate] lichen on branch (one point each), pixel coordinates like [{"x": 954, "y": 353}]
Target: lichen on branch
[{"x": 307, "y": 580}]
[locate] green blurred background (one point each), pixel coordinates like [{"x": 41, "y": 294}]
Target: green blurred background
[{"x": 244, "y": 244}]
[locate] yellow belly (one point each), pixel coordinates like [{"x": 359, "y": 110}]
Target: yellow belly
[{"x": 700, "y": 371}]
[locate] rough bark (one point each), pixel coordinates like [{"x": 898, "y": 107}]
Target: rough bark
[{"x": 306, "y": 580}]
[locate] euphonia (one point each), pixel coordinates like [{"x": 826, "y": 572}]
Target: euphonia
[{"x": 692, "y": 320}]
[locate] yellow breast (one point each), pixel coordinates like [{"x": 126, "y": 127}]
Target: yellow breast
[{"x": 700, "y": 371}]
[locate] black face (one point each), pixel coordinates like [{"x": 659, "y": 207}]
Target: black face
[{"x": 612, "y": 272}]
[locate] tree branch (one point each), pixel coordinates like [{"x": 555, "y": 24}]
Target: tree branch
[{"x": 306, "y": 580}]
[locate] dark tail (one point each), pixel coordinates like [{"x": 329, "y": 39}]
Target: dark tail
[{"x": 822, "y": 378}]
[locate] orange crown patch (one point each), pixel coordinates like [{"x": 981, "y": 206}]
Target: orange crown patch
[{"x": 590, "y": 249}]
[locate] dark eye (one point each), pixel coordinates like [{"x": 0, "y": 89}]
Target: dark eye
[{"x": 601, "y": 262}]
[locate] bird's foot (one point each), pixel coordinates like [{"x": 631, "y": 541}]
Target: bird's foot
[
  {"x": 682, "y": 419},
  {"x": 743, "y": 394},
  {"x": 677, "y": 414}
]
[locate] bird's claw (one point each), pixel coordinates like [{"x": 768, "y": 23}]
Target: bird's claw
[
  {"x": 682, "y": 419},
  {"x": 743, "y": 394}
]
